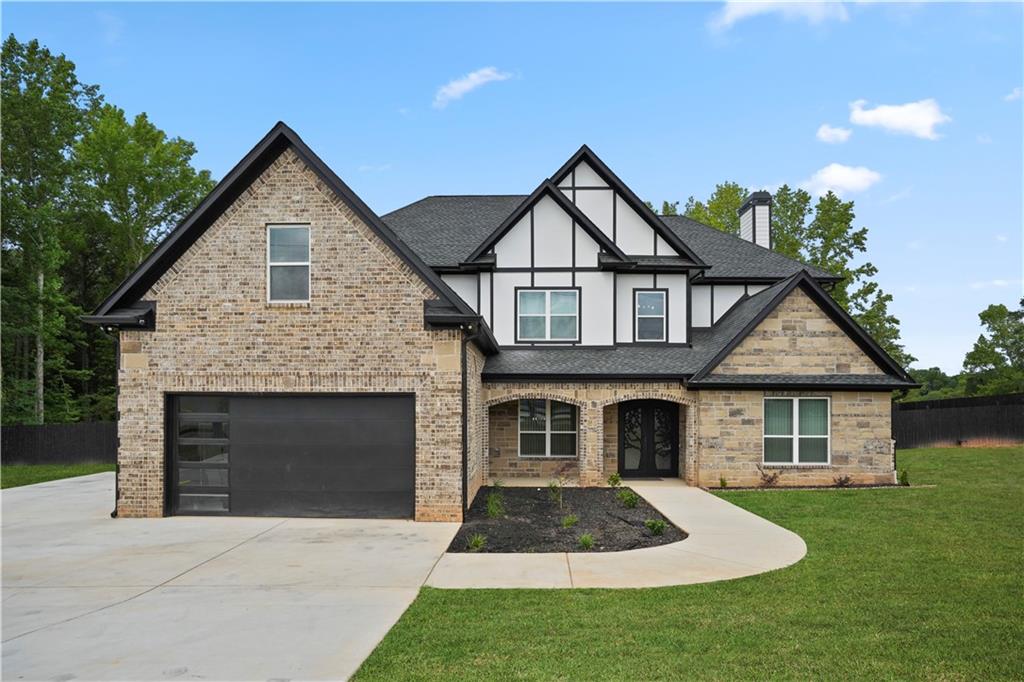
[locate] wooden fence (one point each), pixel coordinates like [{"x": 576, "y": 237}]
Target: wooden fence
[
  {"x": 59, "y": 443},
  {"x": 986, "y": 420}
]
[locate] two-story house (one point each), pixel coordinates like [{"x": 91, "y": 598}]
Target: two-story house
[{"x": 285, "y": 351}]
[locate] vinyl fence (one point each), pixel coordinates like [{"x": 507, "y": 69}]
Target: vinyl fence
[
  {"x": 59, "y": 443},
  {"x": 987, "y": 420}
]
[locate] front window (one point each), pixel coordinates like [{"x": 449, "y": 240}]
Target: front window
[
  {"x": 796, "y": 431},
  {"x": 288, "y": 263},
  {"x": 650, "y": 316},
  {"x": 548, "y": 315},
  {"x": 547, "y": 428}
]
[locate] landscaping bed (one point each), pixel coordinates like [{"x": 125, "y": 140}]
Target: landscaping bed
[{"x": 531, "y": 520}]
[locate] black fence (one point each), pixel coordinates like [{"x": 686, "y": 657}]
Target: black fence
[
  {"x": 59, "y": 443},
  {"x": 987, "y": 420}
]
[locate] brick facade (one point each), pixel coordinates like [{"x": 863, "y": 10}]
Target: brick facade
[
  {"x": 362, "y": 331},
  {"x": 797, "y": 338}
]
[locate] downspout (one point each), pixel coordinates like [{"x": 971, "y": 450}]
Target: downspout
[
  {"x": 117, "y": 419},
  {"x": 473, "y": 333}
]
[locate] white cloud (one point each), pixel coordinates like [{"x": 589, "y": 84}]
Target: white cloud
[
  {"x": 898, "y": 196},
  {"x": 1002, "y": 238},
  {"x": 914, "y": 118},
  {"x": 841, "y": 179},
  {"x": 827, "y": 133},
  {"x": 459, "y": 87},
  {"x": 1013, "y": 94},
  {"x": 984, "y": 139},
  {"x": 993, "y": 283},
  {"x": 812, "y": 12},
  {"x": 112, "y": 27}
]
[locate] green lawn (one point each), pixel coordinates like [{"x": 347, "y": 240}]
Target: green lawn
[
  {"x": 13, "y": 475},
  {"x": 921, "y": 583}
]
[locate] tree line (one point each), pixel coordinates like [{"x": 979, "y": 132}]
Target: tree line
[{"x": 86, "y": 195}]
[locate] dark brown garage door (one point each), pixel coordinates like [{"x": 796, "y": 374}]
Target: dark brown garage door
[{"x": 336, "y": 456}]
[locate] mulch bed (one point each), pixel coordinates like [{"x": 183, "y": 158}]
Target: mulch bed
[{"x": 533, "y": 522}]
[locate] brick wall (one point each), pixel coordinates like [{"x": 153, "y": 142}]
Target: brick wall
[
  {"x": 797, "y": 338},
  {"x": 362, "y": 331},
  {"x": 731, "y": 433}
]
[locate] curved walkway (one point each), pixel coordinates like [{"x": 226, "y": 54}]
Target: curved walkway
[{"x": 724, "y": 542}]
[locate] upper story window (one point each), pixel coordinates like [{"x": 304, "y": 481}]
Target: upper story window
[
  {"x": 796, "y": 430},
  {"x": 548, "y": 315},
  {"x": 288, "y": 263},
  {"x": 650, "y": 323}
]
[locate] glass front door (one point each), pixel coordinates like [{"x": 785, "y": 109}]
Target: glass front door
[{"x": 648, "y": 438}]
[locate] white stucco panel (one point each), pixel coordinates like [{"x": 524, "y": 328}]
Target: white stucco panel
[
  {"x": 552, "y": 235},
  {"x": 513, "y": 249}
]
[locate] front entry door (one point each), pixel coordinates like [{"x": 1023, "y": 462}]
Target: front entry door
[{"x": 648, "y": 438}]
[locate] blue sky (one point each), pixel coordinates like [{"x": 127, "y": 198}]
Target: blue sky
[{"x": 922, "y": 102}]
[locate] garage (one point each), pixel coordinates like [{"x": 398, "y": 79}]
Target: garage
[{"x": 293, "y": 455}]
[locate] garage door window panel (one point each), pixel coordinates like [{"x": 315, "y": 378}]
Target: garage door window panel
[{"x": 202, "y": 455}]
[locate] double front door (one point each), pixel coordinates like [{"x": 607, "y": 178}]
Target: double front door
[{"x": 648, "y": 438}]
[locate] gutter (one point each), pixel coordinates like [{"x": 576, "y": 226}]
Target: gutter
[{"x": 470, "y": 333}]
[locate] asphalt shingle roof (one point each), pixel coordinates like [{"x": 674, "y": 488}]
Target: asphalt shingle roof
[
  {"x": 803, "y": 379},
  {"x": 444, "y": 230}
]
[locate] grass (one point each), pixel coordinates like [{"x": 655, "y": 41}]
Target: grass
[
  {"x": 14, "y": 475},
  {"x": 918, "y": 583}
]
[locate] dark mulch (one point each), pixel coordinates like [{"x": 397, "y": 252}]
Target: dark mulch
[{"x": 533, "y": 522}]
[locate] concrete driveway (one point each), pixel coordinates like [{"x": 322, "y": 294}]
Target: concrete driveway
[{"x": 90, "y": 597}]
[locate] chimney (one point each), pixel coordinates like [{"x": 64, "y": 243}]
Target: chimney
[{"x": 756, "y": 219}]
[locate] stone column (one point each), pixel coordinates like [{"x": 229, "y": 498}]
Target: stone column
[{"x": 591, "y": 436}]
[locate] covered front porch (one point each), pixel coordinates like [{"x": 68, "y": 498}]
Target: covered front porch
[{"x": 580, "y": 433}]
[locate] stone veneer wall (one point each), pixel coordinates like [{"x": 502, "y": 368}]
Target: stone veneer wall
[
  {"x": 362, "y": 331},
  {"x": 797, "y": 338},
  {"x": 592, "y": 400},
  {"x": 731, "y": 434}
]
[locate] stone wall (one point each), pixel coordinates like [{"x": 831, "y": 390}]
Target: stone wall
[
  {"x": 362, "y": 331},
  {"x": 731, "y": 434},
  {"x": 797, "y": 338}
]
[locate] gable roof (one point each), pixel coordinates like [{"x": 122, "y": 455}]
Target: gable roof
[
  {"x": 584, "y": 153},
  {"x": 548, "y": 189},
  {"x": 731, "y": 257},
  {"x": 259, "y": 158},
  {"x": 750, "y": 317}
]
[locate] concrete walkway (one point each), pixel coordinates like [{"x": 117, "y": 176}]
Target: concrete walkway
[
  {"x": 725, "y": 542},
  {"x": 94, "y": 598}
]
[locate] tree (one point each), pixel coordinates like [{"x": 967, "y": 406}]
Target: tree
[
  {"x": 721, "y": 210},
  {"x": 996, "y": 363},
  {"x": 667, "y": 208},
  {"x": 45, "y": 109},
  {"x": 791, "y": 209}
]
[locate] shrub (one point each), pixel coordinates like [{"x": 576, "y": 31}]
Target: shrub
[
  {"x": 615, "y": 480},
  {"x": 495, "y": 505},
  {"x": 656, "y": 526},
  {"x": 476, "y": 542},
  {"x": 769, "y": 479},
  {"x": 555, "y": 492},
  {"x": 586, "y": 542},
  {"x": 904, "y": 477},
  {"x": 570, "y": 521},
  {"x": 628, "y": 498},
  {"x": 497, "y": 485},
  {"x": 842, "y": 481},
  {"x": 722, "y": 483}
]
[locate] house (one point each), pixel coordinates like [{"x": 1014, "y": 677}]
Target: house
[{"x": 285, "y": 351}]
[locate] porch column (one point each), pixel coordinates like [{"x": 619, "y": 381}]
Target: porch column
[{"x": 591, "y": 438}]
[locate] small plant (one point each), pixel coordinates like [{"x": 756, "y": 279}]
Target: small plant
[
  {"x": 904, "y": 478},
  {"x": 656, "y": 526},
  {"x": 555, "y": 492},
  {"x": 476, "y": 542},
  {"x": 570, "y": 521},
  {"x": 497, "y": 485},
  {"x": 722, "y": 483},
  {"x": 842, "y": 481},
  {"x": 586, "y": 542},
  {"x": 495, "y": 505},
  {"x": 614, "y": 480},
  {"x": 628, "y": 498},
  {"x": 769, "y": 479}
]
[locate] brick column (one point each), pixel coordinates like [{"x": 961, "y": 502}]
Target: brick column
[{"x": 591, "y": 444}]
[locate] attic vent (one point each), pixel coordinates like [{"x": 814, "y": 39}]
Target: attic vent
[{"x": 756, "y": 219}]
